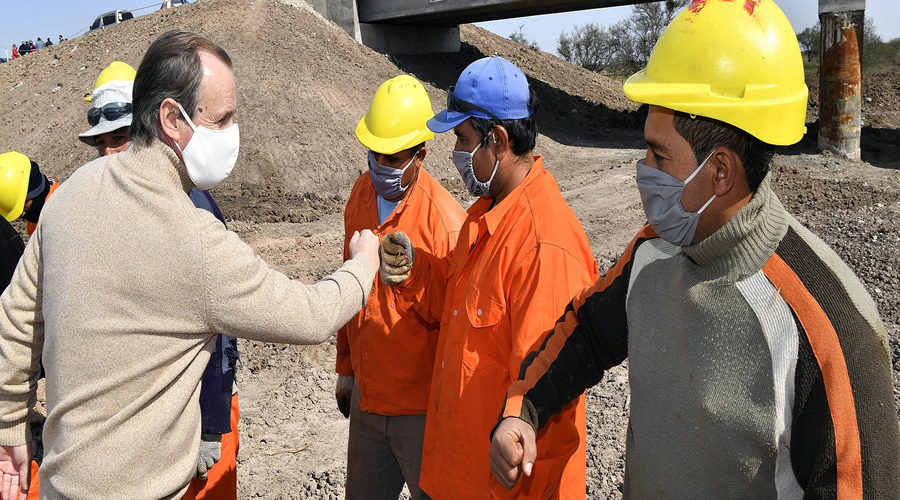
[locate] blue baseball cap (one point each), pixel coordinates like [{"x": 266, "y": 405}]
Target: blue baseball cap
[{"x": 491, "y": 87}]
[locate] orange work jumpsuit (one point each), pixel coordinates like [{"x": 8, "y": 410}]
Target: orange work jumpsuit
[
  {"x": 388, "y": 347},
  {"x": 515, "y": 267}
]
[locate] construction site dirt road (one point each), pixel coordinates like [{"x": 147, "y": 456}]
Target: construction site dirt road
[{"x": 302, "y": 86}]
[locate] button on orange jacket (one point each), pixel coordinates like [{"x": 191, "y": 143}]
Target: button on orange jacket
[
  {"x": 514, "y": 268},
  {"x": 388, "y": 346}
]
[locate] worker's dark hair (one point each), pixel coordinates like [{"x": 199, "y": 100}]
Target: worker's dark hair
[
  {"x": 522, "y": 132},
  {"x": 170, "y": 69},
  {"x": 705, "y": 134}
]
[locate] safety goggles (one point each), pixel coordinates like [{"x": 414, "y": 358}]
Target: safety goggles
[
  {"x": 462, "y": 106},
  {"x": 112, "y": 112}
]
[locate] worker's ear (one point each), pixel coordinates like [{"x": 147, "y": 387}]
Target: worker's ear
[
  {"x": 422, "y": 154},
  {"x": 499, "y": 142},
  {"x": 168, "y": 120},
  {"x": 728, "y": 171}
]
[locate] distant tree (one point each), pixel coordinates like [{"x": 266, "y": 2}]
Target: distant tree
[
  {"x": 587, "y": 46},
  {"x": 520, "y": 38},
  {"x": 874, "y": 50},
  {"x": 810, "y": 41},
  {"x": 624, "y": 47}
]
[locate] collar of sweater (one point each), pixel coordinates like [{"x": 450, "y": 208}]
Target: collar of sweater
[
  {"x": 744, "y": 244},
  {"x": 157, "y": 162}
]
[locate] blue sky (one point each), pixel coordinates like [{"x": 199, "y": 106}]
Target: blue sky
[{"x": 51, "y": 18}]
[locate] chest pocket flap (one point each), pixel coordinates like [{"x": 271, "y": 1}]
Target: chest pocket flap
[{"x": 482, "y": 309}]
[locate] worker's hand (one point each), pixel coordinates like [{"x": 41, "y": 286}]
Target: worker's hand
[
  {"x": 210, "y": 453},
  {"x": 366, "y": 243},
  {"x": 513, "y": 451},
  {"x": 396, "y": 258},
  {"x": 343, "y": 392},
  {"x": 15, "y": 471}
]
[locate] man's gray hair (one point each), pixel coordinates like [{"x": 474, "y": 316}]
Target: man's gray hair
[{"x": 170, "y": 69}]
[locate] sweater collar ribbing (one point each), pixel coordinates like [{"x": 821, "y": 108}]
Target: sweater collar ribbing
[
  {"x": 160, "y": 162},
  {"x": 743, "y": 245}
]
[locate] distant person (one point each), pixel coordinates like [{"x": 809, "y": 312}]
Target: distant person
[
  {"x": 758, "y": 364},
  {"x": 49, "y": 42},
  {"x": 61, "y": 39},
  {"x": 39, "y": 44},
  {"x": 15, "y": 52},
  {"x": 520, "y": 257},
  {"x": 385, "y": 355},
  {"x": 122, "y": 269},
  {"x": 24, "y": 49}
]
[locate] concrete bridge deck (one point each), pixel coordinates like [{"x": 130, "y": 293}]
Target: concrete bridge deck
[{"x": 455, "y": 12}]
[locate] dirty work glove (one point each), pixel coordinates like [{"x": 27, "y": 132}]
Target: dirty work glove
[
  {"x": 210, "y": 452},
  {"x": 343, "y": 391},
  {"x": 396, "y": 258}
]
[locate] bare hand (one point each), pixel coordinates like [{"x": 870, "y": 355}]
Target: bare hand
[
  {"x": 513, "y": 451},
  {"x": 366, "y": 243},
  {"x": 396, "y": 258},
  {"x": 343, "y": 392},
  {"x": 15, "y": 471}
]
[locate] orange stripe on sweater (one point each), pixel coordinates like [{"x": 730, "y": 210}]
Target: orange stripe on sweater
[
  {"x": 827, "y": 349},
  {"x": 563, "y": 330}
]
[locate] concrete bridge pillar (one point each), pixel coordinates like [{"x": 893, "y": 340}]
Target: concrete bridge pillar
[
  {"x": 840, "y": 76},
  {"x": 388, "y": 38}
]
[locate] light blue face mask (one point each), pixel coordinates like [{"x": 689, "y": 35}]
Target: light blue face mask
[
  {"x": 463, "y": 162},
  {"x": 388, "y": 181},
  {"x": 661, "y": 196}
]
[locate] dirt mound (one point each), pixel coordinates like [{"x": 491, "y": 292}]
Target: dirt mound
[{"x": 302, "y": 86}]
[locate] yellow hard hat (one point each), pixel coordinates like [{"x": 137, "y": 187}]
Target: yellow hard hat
[
  {"x": 116, "y": 71},
  {"x": 14, "y": 171},
  {"x": 736, "y": 62},
  {"x": 396, "y": 118}
]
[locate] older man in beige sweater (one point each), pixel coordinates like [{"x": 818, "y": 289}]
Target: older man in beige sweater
[{"x": 124, "y": 285}]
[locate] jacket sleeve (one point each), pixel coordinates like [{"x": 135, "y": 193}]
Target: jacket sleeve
[
  {"x": 845, "y": 441},
  {"x": 21, "y": 343},
  {"x": 248, "y": 299},
  {"x": 591, "y": 336},
  {"x": 343, "y": 364},
  {"x": 541, "y": 287}
]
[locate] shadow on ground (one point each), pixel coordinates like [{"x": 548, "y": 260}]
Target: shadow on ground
[{"x": 880, "y": 147}]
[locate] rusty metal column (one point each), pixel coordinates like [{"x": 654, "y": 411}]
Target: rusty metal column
[{"x": 840, "y": 76}]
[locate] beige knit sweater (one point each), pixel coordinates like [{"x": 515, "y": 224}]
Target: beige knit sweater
[{"x": 121, "y": 289}]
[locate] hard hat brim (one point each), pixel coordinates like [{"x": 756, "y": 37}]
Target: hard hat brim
[
  {"x": 390, "y": 145},
  {"x": 104, "y": 127},
  {"x": 757, "y": 112},
  {"x": 447, "y": 120}
]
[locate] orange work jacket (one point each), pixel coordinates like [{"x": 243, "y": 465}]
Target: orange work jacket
[
  {"x": 388, "y": 347},
  {"x": 31, "y": 226},
  {"x": 514, "y": 269}
]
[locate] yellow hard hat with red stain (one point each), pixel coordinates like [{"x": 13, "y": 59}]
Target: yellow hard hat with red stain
[{"x": 736, "y": 61}]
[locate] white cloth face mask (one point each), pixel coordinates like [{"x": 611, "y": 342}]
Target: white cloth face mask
[{"x": 210, "y": 154}]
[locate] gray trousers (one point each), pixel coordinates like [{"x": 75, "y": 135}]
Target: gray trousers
[{"x": 383, "y": 453}]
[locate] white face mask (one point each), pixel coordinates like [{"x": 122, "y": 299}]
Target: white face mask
[
  {"x": 210, "y": 154},
  {"x": 463, "y": 162}
]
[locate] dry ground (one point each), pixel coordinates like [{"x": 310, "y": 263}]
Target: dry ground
[{"x": 303, "y": 84}]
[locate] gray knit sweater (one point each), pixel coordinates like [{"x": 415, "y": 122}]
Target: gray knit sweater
[
  {"x": 757, "y": 363},
  {"x": 121, "y": 291}
]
